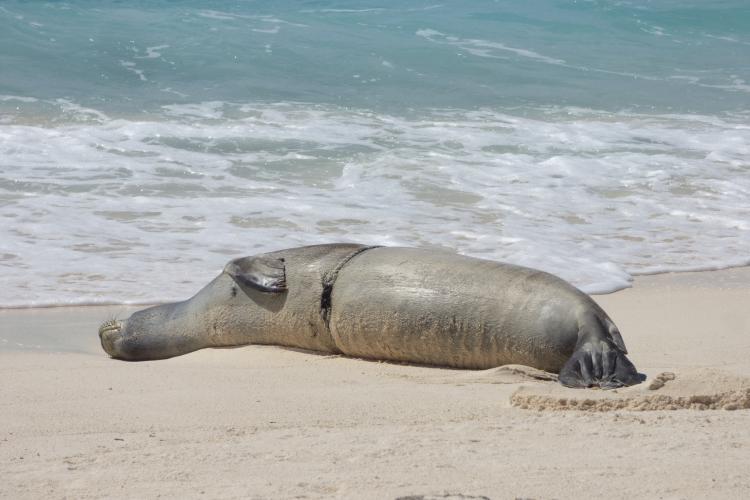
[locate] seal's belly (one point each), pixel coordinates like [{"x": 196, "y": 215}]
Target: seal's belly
[{"x": 445, "y": 309}]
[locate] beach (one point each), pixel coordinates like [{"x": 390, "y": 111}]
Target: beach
[
  {"x": 143, "y": 145},
  {"x": 269, "y": 422}
]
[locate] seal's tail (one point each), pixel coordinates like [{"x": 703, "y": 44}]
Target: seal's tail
[{"x": 614, "y": 333}]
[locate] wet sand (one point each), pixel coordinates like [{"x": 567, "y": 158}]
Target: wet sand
[{"x": 267, "y": 422}]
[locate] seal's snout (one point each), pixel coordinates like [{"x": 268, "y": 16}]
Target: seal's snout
[
  {"x": 110, "y": 335},
  {"x": 111, "y": 326}
]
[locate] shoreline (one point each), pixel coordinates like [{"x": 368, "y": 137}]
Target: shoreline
[
  {"x": 43, "y": 319},
  {"x": 635, "y": 277},
  {"x": 269, "y": 422}
]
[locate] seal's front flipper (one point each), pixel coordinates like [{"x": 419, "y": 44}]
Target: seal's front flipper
[
  {"x": 262, "y": 273},
  {"x": 599, "y": 363}
]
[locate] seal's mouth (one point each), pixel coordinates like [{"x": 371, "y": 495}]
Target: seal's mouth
[{"x": 110, "y": 326}]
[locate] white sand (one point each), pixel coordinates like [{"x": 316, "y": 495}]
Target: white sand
[{"x": 265, "y": 422}]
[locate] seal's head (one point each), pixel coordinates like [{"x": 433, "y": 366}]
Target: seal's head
[{"x": 246, "y": 286}]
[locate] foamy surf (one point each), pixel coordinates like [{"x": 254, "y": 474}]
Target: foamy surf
[{"x": 103, "y": 210}]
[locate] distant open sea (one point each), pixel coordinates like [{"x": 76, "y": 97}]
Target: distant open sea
[{"x": 145, "y": 143}]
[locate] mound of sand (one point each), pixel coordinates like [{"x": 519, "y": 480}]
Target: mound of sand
[
  {"x": 694, "y": 389},
  {"x": 508, "y": 374}
]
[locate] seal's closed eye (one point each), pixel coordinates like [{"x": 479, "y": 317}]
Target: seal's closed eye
[{"x": 261, "y": 273}]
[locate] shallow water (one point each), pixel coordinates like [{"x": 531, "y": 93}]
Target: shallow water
[{"x": 143, "y": 144}]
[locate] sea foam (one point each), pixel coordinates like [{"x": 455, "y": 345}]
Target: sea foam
[{"x": 101, "y": 209}]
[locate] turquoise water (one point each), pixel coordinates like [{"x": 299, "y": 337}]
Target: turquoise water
[
  {"x": 132, "y": 57},
  {"x": 594, "y": 139}
]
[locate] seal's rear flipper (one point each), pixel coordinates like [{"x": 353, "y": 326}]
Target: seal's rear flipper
[
  {"x": 262, "y": 273},
  {"x": 597, "y": 363}
]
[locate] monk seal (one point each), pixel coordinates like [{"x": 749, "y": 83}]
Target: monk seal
[{"x": 389, "y": 303}]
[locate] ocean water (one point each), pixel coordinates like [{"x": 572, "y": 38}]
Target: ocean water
[{"x": 145, "y": 143}]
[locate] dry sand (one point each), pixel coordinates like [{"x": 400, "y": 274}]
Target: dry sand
[{"x": 266, "y": 422}]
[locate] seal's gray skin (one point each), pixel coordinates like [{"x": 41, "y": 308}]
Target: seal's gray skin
[{"x": 399, "y": 304}]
